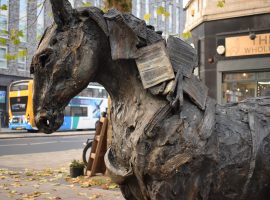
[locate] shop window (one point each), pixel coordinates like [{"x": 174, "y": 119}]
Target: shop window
[
  {"x": 239, "y": 86},
  {"x": 3, "y": 60}
]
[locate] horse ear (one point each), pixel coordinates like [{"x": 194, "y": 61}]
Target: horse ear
[{"x": 63, "y": 13}]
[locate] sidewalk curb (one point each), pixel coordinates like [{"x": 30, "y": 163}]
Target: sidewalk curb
[
  {"x": 14, "y": 135},
  {"x": 45, "y": 135}
]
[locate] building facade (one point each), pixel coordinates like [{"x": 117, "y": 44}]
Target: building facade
[
  {"x": 233, "y": 44},
  {"x": 170, "y": 25}
]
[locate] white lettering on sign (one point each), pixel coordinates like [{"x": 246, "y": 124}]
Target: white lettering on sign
[{"x": 243, "y": 45}]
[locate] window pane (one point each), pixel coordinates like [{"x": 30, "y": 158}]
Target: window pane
[
  {"x": 2, "y": 53},
  {"x": 2, "y": 3},
  {"x": 3, "y": 22},
  {"x": 238, "y": 77},
  {"x": 3, "y": 64},
  {"x": 78, "y": 111},
  {"x": 84, "y": 111},
  {"x": 19, "y": 86},
  {"x": 21, "y": 66},
  {"x": 177, "y": 20},
  {"x": 67, "y": 111},
  {"x": 3, "y": 61},
  {"x": 263, "y": 76},
  {"x": 264, "y": 88},
  {"x": 147, "y": 6},
  {"x": 170, "y": 19},
  {"x": 238, "y": 91},
  {"x": 138, "y": 8},
  {"x": 18, "y": 104}
]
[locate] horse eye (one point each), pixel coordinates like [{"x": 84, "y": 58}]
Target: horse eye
[
  {"x": 32, "y": 70},
  {"x": 43, "y": 58},
  {"x": 53, "y": 41}
]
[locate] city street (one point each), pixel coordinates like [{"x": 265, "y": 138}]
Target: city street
[
  {"x": 42, "y": 144},
  {"x": 38, "y": 150},
  {"x": 36, "y": 166}
]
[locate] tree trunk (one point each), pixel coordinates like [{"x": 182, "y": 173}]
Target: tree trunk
[{"x": 121, "y": 5}]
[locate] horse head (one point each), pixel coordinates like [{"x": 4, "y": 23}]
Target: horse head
[{"x": 64, "y": 63}]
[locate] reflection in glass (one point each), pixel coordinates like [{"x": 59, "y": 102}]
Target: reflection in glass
[
  {"x": 239, "y": 86},
  {"x": 18, "y": 105}
]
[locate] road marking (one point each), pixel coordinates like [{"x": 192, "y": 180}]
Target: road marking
[
  {"x": 72, "y": 141},
  {"x": 37, "y": 143},
  {"x": 9, "y": 145}
]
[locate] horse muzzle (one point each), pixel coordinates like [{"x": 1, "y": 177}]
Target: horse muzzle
[{"x": 48, "y": 121}]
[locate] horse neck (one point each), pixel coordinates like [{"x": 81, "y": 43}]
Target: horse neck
[{"x": 131, "y": 103}]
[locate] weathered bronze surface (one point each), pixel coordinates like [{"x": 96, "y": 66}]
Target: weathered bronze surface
[{"x": 175, "y": 145}]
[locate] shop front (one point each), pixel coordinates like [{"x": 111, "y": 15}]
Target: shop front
[{"x": 244, "y": 70}]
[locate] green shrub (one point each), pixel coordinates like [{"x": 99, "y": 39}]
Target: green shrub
[{"x": 76, "y": 164}]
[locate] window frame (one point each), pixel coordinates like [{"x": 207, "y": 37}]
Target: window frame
[
  {"x": 7, "y": 16},
  {"x": 5, "y": 60}
]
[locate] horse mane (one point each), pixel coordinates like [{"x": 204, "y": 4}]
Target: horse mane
[{"x": 138, "y": 35}]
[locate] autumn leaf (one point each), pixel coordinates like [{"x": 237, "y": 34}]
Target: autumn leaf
[
  {"x": 160, "y": 10},
  {"x": 221, "y": 3},
  {"x": 86, "y": 4},
  {"x": 3, "y": 7},
  {"x": 95, "y": 196},
  {"x": 187, "y": 35},
  {"x": 113, "y": 186},
  {"x": 10, "y": 57},
  {"x": 27, "y": 173},
  {"x": 16, "y": 184},
  {"x": 12, "y": 192},
  {"x": 3, "y": 177},
  {"x": 3, "y": 41},
  {"x": 147, "y": 17}
]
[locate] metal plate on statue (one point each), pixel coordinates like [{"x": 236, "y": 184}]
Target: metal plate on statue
[{"x": 154, "y": 65}]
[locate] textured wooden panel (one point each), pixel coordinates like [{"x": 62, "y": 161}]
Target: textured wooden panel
[
  {"x": 182, "y": 55},
  {"x": 154, "y": 65},
  {"x": 196, "y": 90}
]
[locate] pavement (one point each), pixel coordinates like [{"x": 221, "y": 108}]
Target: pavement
[
  {"x": 6, "y": 133},
  {"x": 46, "y": 175}
]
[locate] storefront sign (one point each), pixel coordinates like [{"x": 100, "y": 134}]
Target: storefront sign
[
  {"x": 243, "y": 45},
  {"x": 2, "y": 96}
]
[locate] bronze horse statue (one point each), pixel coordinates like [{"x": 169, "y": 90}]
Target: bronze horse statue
[{"x": 192, "y": 149}]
